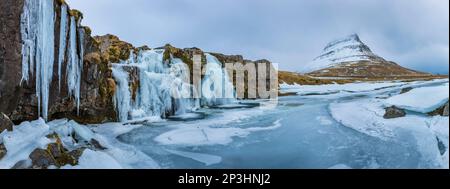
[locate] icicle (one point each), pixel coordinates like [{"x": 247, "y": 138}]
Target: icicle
[
  {"x": 122, "y": 96},
  {"x": 28, "y": 29},
  {"x": 74, "y": 67},
  {"x": 62, "y": 41},
  {"x": 80, "y": 64},
  {"x": 37, "y": 30},
  {"x": 163, "y": 88}
]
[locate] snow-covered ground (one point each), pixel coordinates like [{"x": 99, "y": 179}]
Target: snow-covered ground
[{"x": 28, "y": 136}]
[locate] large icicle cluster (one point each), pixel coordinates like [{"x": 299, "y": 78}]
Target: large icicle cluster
[
  {"x": 37, "y": 28},
  {"x": 38, "y": 50},
  {"x": 164, "y": 88}
]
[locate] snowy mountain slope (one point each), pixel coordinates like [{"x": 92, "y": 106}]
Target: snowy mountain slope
[
  {"x": 349, "y": 56},
  {"x": 347, "y": 49}
]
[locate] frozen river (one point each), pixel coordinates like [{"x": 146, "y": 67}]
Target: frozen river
[{"x": 299, "y": 132}]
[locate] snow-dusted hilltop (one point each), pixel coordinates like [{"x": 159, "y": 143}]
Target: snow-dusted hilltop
[
  {"x": 348, "y": 49},
  {"x": 350, "y": 57}
]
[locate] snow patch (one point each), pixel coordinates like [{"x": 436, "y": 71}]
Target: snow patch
[
  {"x": 95, "y": 160},
  {"x": 340, "y": 166}
]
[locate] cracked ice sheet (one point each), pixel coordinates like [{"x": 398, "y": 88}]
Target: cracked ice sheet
[
  {"x": 366, "y": 116},
  {"x": 201, "y": 133},
  {"x": 207, "y": 159},
  {"x": 200, "y": 136}
]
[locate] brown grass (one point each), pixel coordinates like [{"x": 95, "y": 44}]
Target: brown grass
[{"x": 295, "y": 78}]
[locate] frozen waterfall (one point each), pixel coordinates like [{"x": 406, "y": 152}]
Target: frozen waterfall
[
  {"x": 217, "y": 88},
  {"x": 122, "y": 97},
  {"x": 37, "y": 30},
  {"x": 164, "y": 87}
]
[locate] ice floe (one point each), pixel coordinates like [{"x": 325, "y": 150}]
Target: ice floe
[{"x": 423, "y": 99}]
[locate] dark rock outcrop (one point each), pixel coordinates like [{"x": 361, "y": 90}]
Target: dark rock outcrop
[
  {"x": 5, "y": 123},
  {"x": 3, "y": 151},
  {"x": 10, "y": 55},
  {"x": 405, "y": 90},
  {"x": 41, "y": 159},
  {"x": 445, "y": 112},
  {"x": 442, "y": 111},
  {"x": 394, "y": 112}
]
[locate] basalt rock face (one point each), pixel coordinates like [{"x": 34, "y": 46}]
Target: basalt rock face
[
  {"x": 250, "y": 78},
  {"x": 96, "y": 88},
  {"x": 187, "y": 55},
  {"x": 5, "y": 123},
  {"x": 10, "y": 55},
  {"x": 394, "y": 112},
  {"x": 18, "y": 98}
]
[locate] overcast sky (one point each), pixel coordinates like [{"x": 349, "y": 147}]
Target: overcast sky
[{"x": 414, "y": 33}]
